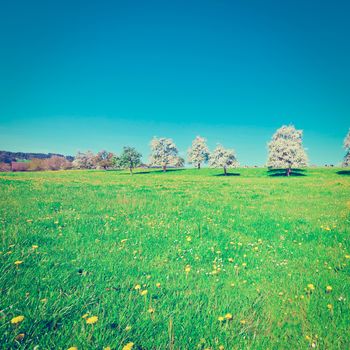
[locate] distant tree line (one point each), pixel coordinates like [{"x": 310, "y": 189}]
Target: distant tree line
[
  {"x": 37, "y": 164},
  {"x": 285, "y": 153},
  {"x": 8, "y": 157}
]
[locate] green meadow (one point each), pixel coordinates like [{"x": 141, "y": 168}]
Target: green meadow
[{"x": 186, "y": 259}]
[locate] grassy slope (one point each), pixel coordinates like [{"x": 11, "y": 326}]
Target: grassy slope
[{"x": 290, "y": 232}]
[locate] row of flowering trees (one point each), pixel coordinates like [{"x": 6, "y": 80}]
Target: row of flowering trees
[
  {"x": 164, "y": 154},
  {"x": 285, "y": 151}
]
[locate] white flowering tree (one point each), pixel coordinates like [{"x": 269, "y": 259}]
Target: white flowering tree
[
  {"x": 84, "y": 160},
  {"x": 346, "y": 161},
  {"x": 198, "y": 153},
  {"x": 178, "y": 162},
  {"x": 164, "y": 153},
  {"x": 286, "y": 150},
  {"x": 223, "y": 158}
]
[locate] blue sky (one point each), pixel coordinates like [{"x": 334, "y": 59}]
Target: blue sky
[{"x": 79, "y": 75}]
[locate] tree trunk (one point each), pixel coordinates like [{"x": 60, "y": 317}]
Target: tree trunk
[
  {"x": 164, "y": 168},
  {"x": 288, "y": 171},
  {"x": 199, "y": 165},
  {"x": 225, "y": 172},
  {"x": 130, "y": 171}
]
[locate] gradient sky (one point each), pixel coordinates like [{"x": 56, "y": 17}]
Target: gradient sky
[{"x": 79, "y": 75}]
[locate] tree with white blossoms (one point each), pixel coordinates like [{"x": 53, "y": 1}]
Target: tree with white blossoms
[
  {"x": 179, "y": 162},
  {"x": 346, "y": 161},
  {"x": 198, "y": 153},
  {"x": 223, "y": 158},
  {"x": 164, "y": 153},
  {"x": 286, "y": 150},
  {"x": 84, "y": 160}
]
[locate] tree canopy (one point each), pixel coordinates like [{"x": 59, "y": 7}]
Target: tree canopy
[
  {"x": 130, "y": 158},
  {"x": 198, "y": 153},
  {"x": 223, "y": 158},
  {"x": 164, "y": 153},
  {"x": 286, "y": 150}
]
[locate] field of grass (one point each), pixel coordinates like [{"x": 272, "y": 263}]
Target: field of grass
[{"x": 181, "y": 260}]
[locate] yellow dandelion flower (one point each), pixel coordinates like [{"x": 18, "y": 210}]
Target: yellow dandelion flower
[
  {"x": 128, "y": 328},
  {"x": 187, "y": 268},
  {"x": 243, "y": 321},
  {"x": 244, "y": 264},
  {"x": 221, "y": 318},
  {"x": 137, "y": 287},
  {"x": 308, "y": 338},
  {"x": 221, "y": 347},
  {"x": 151, "y": 310},
  {"x": 128, "y": 346},
  {"x": 92, "y": 320},
  {"x": 228, "y": 316},
  {"x": 329, "y": 289},
  {"x": 17, "y": 319},
  {"x": 73, "y": 348},
  {"x": 158, "y": 285},
  {"x": 347, "y": 256},
  {"x": 188, "y": 239},
  {"x": 144, "y": 292},
  {"x": 310, "y": 286},
  {"x": 107, "y": 348},
  {"x": 34, "y": 246},
  {"x": 18, "y": 262},
  {"x": 330, "y": 307}
]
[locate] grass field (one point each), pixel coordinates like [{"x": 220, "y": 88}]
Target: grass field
[{"x": 181, "y": 260}]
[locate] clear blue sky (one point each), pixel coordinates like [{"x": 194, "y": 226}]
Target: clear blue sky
[{"x": 78, "y": 75}]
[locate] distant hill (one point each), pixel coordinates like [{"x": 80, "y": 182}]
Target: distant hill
[{"x": 8, "y": 157}]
